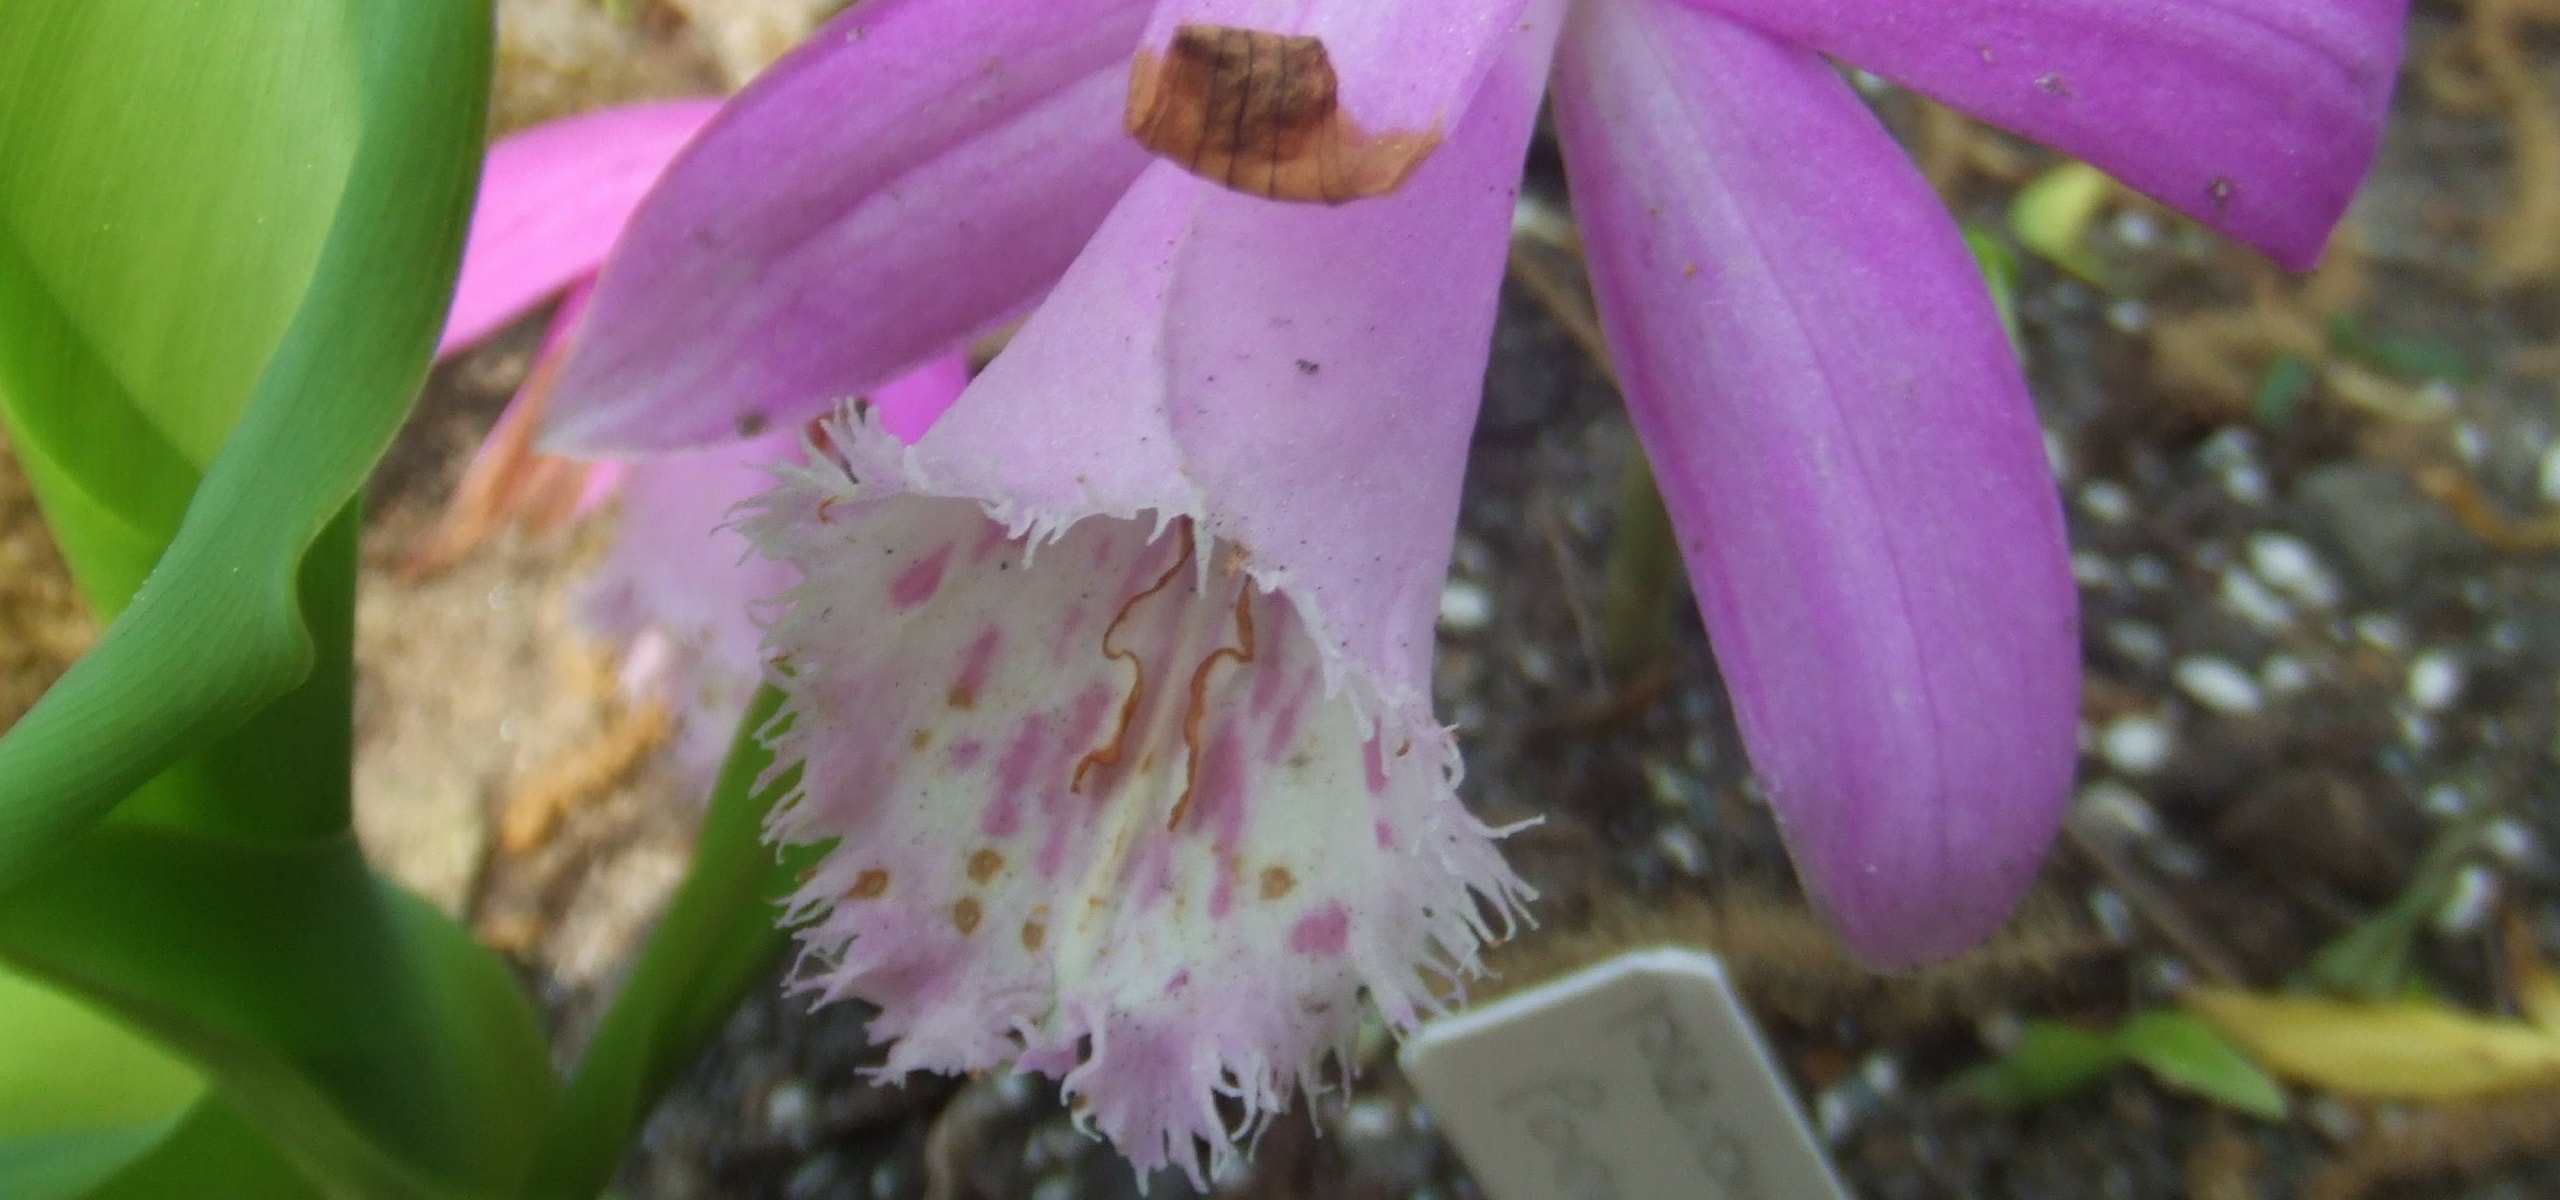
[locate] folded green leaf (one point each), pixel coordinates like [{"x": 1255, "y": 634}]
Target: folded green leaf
[
  {"x": 217, "y": 630},
  {"x": 211, "y": 1155},
  {"x": 360, "y": 1030},
  {"x": 2051, "y": 1061},
  {"x": 2187, "y": 1054},
  {"x": 88, "y": 1100}
]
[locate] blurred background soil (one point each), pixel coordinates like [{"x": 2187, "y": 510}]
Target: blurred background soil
[{"x": 2315, "y": 522}]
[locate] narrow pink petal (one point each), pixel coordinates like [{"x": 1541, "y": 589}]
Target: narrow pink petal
[
  {"x": 552, "y": 199},
  {"x": 1112, "y": 690},
  {"x": 682, "y": 579},
  {"x": 1850, "y": 457},
  {"x": 2257, "y": 117},
  {"x": 914, "y": 175},
  {"x": 1322, "y": 100}
]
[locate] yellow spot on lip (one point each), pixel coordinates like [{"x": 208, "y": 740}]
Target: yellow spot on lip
[
  {"x": 984, "y": 864},
  {"x": 962, "y": 698},
  {"x": 965, "y": 914},
  {"x": 1033, "y": 933},
  {"x": 922, "y": 739},
  {"x": 868, "y": 885},
  {"x": 1276, "y": 882}
]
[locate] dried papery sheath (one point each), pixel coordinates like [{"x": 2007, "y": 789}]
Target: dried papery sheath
[{"x": 1117, "y": 719}]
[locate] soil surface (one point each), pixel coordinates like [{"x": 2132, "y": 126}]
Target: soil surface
[{"x": 2314, "y": 522}]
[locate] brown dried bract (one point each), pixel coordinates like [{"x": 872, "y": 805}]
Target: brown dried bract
[{"x": 1259, "y": 112}]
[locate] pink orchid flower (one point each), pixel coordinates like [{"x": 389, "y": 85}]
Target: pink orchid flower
[
  {"x": 677, "y": 588},
  {"x": 1111, "y": 685}
]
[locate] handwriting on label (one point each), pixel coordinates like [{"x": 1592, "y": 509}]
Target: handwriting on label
[{"x": 1640, "y": 1079}]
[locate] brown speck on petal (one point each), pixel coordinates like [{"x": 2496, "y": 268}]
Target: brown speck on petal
[
  {"x": 984, "y": 864},
  {"x": 1276, "y": 882},
  {"x": 1261, "y": 113},
  {"x": 1033, "y": 933},
  {"x": 869, "y": 885},
  {"x": 964, "y": 915}
]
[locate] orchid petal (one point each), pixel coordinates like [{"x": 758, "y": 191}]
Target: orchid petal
[
  {"x": 1851, "y": 460},
  {"x": 684, "y": 596},
  {"x": 913, "y": 176},
  {"x": 2256, "y": 117},
  {"x": 681, "y": 579},
  {"x": 1111, "y": 691},
  {"x": 552, "y": 199},
  {"x": 1324, "y": 100}
]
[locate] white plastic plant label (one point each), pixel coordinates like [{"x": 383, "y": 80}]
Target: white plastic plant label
[{"x": 1640, "y": 1078}]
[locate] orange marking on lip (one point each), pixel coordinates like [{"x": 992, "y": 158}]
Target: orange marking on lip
[
  {"x": 868, "y": 885},
  {"x": 984, "y": 864},
  {"x": 1111, "y": 751},
  {"x": 1276, "y": 882},
  {"x": 965, "y": 914},
  {"x": 1198, "y": 707}
]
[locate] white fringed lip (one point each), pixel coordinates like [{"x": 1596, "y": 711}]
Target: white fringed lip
[{"x": 1103, "y": 804}]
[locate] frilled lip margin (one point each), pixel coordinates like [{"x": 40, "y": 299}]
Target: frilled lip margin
[{"x": 1104, "y": 802}]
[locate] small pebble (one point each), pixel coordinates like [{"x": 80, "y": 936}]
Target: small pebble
[
  {"x": 1679, "y": 846},
  {"x": 2548, "y": 482},
  {"x": 2445, "y": 802},
  {"x": 2001, "y": 1031},
  {"x": 1465, "y": 607},
  {"x": 2335, "y": 1119},
  {"x": 2136, "y": 743},
  {"x": 2467, "y": 906},
  {"x": 2220, "y": 685},
  {"x": 2145, "y": 645},
  {"x": 2291, "y": 566},
  {"x": 2148, "y": 573},
  {"x": 2136, "y": 228},
  {"x": 790, "y": 1111},
  {"x": 2383, "y": 632},
  {"x": 1369, "y": 1119},
  {"x": 2255, "y": 602},
  {"x": 2107, "y": 501},
  {"x": 2510, "y": 841},
  {"x": 2284, "y": 675},
  {"x": 2435, "y": 680},
  {"x": 2113, "y": 915},
  {"x": 2094, "y": 571},
  {"x": 2167, "y": 975},
  {"x": 1882, "y": 1073},
  {"x": 2057, "y": 455},
  {"x": 2468, "y": 441},
  {"x": 2129, "y": 316},
  {"x": 2111, "y": 806},
  {"x": 820, "y": 1176}
]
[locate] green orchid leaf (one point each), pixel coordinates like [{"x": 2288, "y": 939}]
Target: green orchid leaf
[
  {"x": 175, "y": 168},
  {"x": 2051, "y": 1061},
  {"x": 218, "y": 628},
  {"x": 97, "y": 1097},
  {"x": 362, "y": 1032},
  {"x": 211, "y": 1155},
  {"x": 719, "y": 938},
  {"x": 2187, "y": 1054}
]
